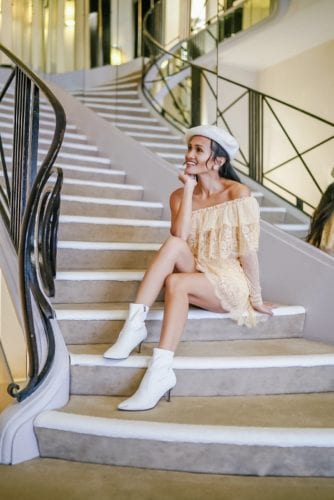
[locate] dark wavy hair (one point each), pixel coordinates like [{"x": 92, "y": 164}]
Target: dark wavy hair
[
  {"x": 321, "y": 215},
  {"x": 226, "y": 170}
]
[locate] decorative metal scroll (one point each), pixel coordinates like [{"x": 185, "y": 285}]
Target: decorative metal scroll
[{"x": 30, "y": 204}]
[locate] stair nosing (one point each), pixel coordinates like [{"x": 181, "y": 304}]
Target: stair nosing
[
  {"x": 191, "y": 433},
  {"x": 157, "y": 314},
  {"x": 82, "y": 219},
  {"x": 206, "y": 363}
]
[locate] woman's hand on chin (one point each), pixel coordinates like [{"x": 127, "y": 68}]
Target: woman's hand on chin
[{"x": 188, "y": 179}]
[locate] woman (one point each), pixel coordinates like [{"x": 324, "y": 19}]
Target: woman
[
  {"x": 321, "y": 232},
  {"x": 209, "y": 260}
]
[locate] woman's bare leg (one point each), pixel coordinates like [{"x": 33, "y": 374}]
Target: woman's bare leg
[
  {"x": 174, "y": 255},
  {"x": 181, "y": 290}
]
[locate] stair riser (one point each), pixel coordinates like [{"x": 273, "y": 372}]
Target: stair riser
[
  {"x": 117, "y": 381},
  {"x": 46, "y": 137},
  {"x": 91, "y": 259},
  {"x": 118, "y": 211},
  {"x": 273, "y": 217},
  {"x": 147, "y": 137},
  {"x": 134, "y": 111},
  {"x": 69, "y": 156},
  {"x": 102, "y": 192},
  {"x": 176, "y": 162},
  {"x": 106, "y": 332},
  {"x": 171, "y": 148},
  {"x": 95, "y": 291},
  {"x": 299, "y": 234},
  {"x": 130, "y": 93},
  {"x": 94, "y": 176},
  {"x": 123, "y": 119},
  {"x": 191, "y": 457},
  {"x": 46, "y": 129},
  {"x": 90, "y": 160},
  {"x": 129, "y": 127},
  {"x": 111, "y": 233}
]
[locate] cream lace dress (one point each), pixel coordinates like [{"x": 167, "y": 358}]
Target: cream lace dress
[{"x": 224, "y": 240}]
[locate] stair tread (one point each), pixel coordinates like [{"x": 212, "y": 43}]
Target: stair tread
[
  {"x": 227, "y": 353},
  {"x": 298, "y": 410}
]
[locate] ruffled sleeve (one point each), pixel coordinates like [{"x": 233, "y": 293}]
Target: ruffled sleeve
[
  {"x": 229, "y": 229},
  {"x": 248, "y": 225}
]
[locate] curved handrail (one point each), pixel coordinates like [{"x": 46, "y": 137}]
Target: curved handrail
[
  {"x": 33, "y": 215},
  {"x": 258, "y": 104}
]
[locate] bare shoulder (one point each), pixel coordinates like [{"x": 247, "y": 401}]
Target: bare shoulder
[
  {"x": 176, "y": 197},
  {"x": 239, "y": 190}
]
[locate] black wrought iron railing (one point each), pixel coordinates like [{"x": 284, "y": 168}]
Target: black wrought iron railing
[
  {"x": 30, "y": 189},
  {"x": 283, "y": 147}
]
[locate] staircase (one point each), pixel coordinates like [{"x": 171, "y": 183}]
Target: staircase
[
  {"x": 248, "y": 401},
  {"x": 123, "y": 104}
]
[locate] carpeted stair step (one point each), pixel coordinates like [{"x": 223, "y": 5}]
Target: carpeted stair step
[
  {"x": 127, "y": 118},
  {"x": 78, "y": 187},
  {"x": 80, "y": 158},
  {"x": 76, "y": 255},
  {"x": 230, "y": 368},
  {"x": 155, "y": 136},
  {"x": 101, "y": 323},
  {"x": 84, "y": 228},
  {"x": 103, "y": 286},
  {"x": 108, "y": 207},
  {"x": 133, "y": 127},
  {"x": 94, "y": 174},
  {"x": 290, "y": 435},
  {"x": 136, "y": 110}
]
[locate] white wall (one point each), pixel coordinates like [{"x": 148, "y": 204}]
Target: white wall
[{"x": 306, "y": 80}]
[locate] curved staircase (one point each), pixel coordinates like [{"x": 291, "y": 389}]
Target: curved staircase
[{"x": 248, "y": 401}]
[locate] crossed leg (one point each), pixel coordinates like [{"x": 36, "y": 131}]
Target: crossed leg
[{"x": 183, "y": 287}]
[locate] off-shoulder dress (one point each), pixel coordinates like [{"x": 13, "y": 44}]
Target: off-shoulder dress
[{"x": 224, "y": 240}]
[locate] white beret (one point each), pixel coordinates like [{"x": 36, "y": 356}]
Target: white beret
[{"x": 219, "y": 135}]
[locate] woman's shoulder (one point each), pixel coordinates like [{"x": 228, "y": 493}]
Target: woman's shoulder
[
  {"x": 238, "y": 190},
  {"x": 176, "y": 197}
]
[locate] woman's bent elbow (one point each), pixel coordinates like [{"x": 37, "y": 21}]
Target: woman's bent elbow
[{"x": 179, "y": 234}]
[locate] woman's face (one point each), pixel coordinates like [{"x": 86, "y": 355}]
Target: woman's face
[{"x": 198, "y": 158}]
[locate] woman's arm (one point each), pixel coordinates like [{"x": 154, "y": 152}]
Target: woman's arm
[
  {"x": 250, "y": 265},
  {"x": 181, "y": 207}
]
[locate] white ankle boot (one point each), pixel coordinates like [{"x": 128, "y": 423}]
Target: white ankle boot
[
  {"x": 158, "y": 380},
  {"x": 133, "y": 333}
]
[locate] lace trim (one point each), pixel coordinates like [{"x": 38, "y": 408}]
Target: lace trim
[{"x": 225, "y": 241}]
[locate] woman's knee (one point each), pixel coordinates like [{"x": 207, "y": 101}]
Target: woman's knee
[
  {"x": 175, "y": 243},
  {"x": 174, "y": 282}
]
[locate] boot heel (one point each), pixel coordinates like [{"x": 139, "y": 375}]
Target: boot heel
[
  {"x": 168, "y": 395},
  {"x": 139, "y": 347}
]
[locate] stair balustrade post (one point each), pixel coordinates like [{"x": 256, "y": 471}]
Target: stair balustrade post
[
  {"x": 255, "y": 136},
  {"x": 195, "y": 96}
]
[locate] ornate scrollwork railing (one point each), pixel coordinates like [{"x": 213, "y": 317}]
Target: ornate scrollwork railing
[{"x": 29, "y": 204}]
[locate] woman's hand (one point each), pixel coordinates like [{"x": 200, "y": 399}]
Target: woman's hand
[
  {"x": 264, "y": 308},
  {"x": 189, "y": 180}
]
